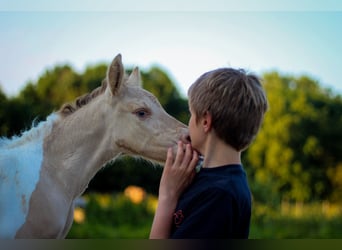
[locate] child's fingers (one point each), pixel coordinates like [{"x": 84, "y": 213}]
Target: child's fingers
[
  {"x": 191, "y": 163},
  {"x": 169, "y": 158},
  {"x": 187, "y": 156},
  {"x": 194, "y": 160},
  {"x": 180, "y": 154}
]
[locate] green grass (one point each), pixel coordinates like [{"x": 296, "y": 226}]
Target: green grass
[
  {"x": 114, "y": 217},
  {"x": 117, "y": 217},
  {"x": 296, "y": 228},
  {"x": 100, "y": 231},
  {"x": 296, "y": 221}
]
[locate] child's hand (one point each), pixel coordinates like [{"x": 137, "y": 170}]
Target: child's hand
[{"x": 178, "y": 172}]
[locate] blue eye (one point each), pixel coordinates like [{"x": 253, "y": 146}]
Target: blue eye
[{"x": 141, "y": 113}]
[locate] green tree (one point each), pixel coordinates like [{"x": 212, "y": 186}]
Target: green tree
[
  {"x": 3, "y": 118},
  {"x": 92, "y": 77},
  {"x": 158, "y": 83},
  {"x": 292, "y": 154},
  {"x": 60, "y": 85}
]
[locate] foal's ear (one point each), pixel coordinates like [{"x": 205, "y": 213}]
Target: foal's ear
[
  {"x": 115, "y": 75},
  {"x": 135, "y": 78}
]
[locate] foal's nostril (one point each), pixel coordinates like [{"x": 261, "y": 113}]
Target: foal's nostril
[{"x": 186, "y": 138}]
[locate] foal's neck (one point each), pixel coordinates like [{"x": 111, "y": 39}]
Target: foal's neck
[{"x": 79, "y": 145}]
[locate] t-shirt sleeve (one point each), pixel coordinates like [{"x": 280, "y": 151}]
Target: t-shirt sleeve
[{"x": 210, "y": 216}]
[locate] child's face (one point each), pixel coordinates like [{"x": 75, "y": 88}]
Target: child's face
[{"x": 196, "y": 134}]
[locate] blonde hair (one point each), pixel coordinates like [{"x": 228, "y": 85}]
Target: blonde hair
[{"x": 236, "y": 102}]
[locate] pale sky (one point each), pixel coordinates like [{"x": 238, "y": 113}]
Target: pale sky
[{"x": 184, "y": 38}]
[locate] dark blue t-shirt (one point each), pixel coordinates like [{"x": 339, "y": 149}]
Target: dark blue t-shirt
[{"x": 216, "y": 205}]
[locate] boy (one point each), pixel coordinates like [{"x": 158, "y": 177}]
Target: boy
[{"x": 227, "y": 107}]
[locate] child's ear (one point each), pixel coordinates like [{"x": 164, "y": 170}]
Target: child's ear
[{"x": 206, "y": 122}]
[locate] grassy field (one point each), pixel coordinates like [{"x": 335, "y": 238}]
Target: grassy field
[
  {"x": 125, "y": 215},
  {"x": 297, "y": 221},
  {"x": 129, "y": 215}
]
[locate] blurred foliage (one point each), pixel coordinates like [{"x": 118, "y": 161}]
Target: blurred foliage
[
  {"x": 113, "y": 216},
  {"x": 127, "y": 171},
  {"x": 296, "y": 221},
  {"x": 158, "y": 83},
  {"x": 298, "y": 148},
  {"x": 296, "y": 157}
]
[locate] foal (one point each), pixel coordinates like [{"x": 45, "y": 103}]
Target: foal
[{"x": 43, "y": 171}]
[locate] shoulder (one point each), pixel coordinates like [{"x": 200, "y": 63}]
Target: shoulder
[
  {"x": 223, "y": 184},
  {"x": 228, "y": 190},
  {"x": 227, "y": 179},
  {"x": 214, "y": 195}
]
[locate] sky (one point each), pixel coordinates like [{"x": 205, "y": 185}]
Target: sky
[{"x": 184, "y": 38}]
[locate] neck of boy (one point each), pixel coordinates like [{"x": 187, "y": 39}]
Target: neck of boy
[{"x": 217, "y": 153}]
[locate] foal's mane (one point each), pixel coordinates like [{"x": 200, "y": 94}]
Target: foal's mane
[{"x": 80, "y": 101}]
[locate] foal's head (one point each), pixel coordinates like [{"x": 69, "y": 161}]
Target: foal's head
[{"x": 136, "y": 122}]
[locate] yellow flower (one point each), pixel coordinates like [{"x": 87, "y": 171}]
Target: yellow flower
[
  {"x": 135, "y": 194},
  {"x": 79, "y": 215}
]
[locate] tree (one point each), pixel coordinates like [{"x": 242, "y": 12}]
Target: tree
[
  {"x": 158, "y": 83},
  {"x": 293, "y": 153},
  {"x": 92, "y": 77},
  {"x": 3, "y": 118}
]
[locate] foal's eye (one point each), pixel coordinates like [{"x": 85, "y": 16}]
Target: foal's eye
[{"x": 141, "y": 113}]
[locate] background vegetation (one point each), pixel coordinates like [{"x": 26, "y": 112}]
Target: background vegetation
[{"x": 294, "y": 166}]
